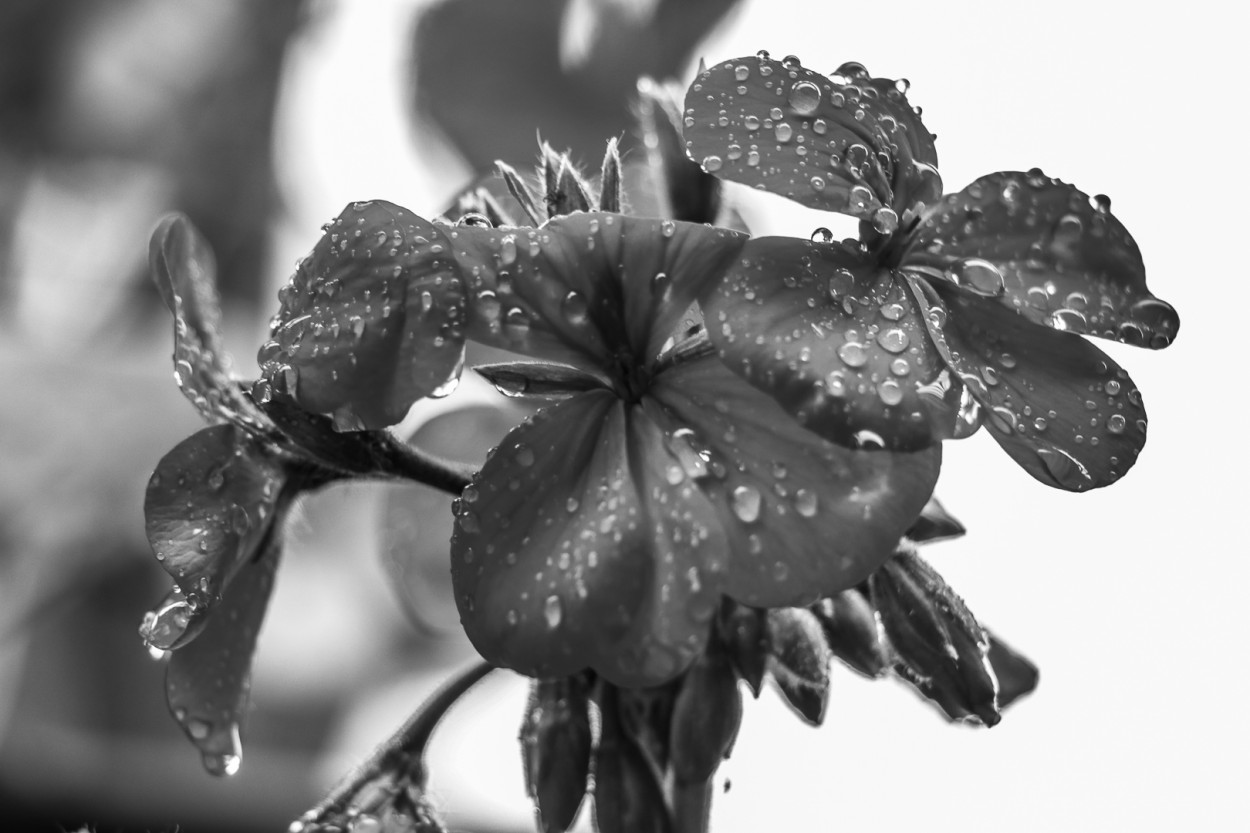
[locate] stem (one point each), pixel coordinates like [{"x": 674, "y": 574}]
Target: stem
[
  {"x": 403, "y": 751},
  {"x": 413, "y": 464},
  {"x": 692, "y": 807}
]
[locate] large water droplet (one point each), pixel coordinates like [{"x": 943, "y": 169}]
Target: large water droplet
[
  {"x": 712, "y": 163},
  {"x": 746, "y": 503},
  {"x": 805, "y": 98},
  {"x": 164, "y": 627},
  {"x": 1067, "y": 471},
  {"x": 553, "y": 611},
  {"x": 574, "y": 308},
  {"x": 853, "y": 354},
  {"x": 981, "y": 276}
]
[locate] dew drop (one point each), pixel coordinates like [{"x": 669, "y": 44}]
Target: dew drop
[
  {"x": 524, "y": 456},
  {"x": 894, "y": 340},
  {"x": 890, "y": 392},
  {"x": 712, "y": 163},
  {"x": 746, "y": 503},
  {"x": 980, "y": 276},
  {"x": 751, "y": 123},
  {"x": 805, "y": 503},
  {"x": 553, "y": 611},
  {"x": 507, "y": 250},
  {"x": 742, "y": 72},
  {"x": 853, "y": 354},
  {"x": 574, "y": 308},
  {"x": 805, "y": 98},
  {"x": 784, "y": 132},
  {"x": 1116, "y": 423}
]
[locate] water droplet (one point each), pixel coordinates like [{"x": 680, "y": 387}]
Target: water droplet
[
  {"x": 221, "y": 765},
  {"x": 746, "y": 503},
  {"x": 516, "y": 323},
  {"x": 524, "y": 456},
  {"x": 822, "y": 235},
  {"x": 1067, "y": 471},
  {"x": 894, "y": 340},
  {"x": 853, "y": 354},
  {"x": 751, "y": 123},
  {"x": 1066, "y": 320},
  {"x": 673, "y": 474},
  {"x": 668, "y": 228},
  {"x": 885, "y": 220},
  {"x": 553, "y": 611},
  {"x": 805, "y": 503},
  {"x": 805, "y": 98},
  {"x": 1116, "y": 423},
  {"x": 571, "y": 505},
  {"x": 1101, "y": 203},
  {"x": 507, "y": 250},
  {"x": 981, "y": 276},
  {"x": 712, "y": 163},
  {"x": 575, "y": 309},
  {"x": 817, "y": 183},
  {"x": 742, "y": 72},
  {"x": 784, "y": 132},
  {"x": 868, "y": 439},
  {"x": 890, "y": 392}
]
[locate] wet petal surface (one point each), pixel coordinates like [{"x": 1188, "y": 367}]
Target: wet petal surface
[
  {"x": 833, "y": 338},
  {"x": 372, "y": 319},
  {"x": 1048, "y": 251},
  {"x": 583, "y": 543},
  {"x": 583, "y": 285},
  {"x": 1063, "y": 410},
  {"x": 836, "y": 144},
  {"x": 185, "y": 273},
  {"x": 210, "y": 504},
  {"x": 804, "y": 517},
  {"x": 208, "y": 681}
]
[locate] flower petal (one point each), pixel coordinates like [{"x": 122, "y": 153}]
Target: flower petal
[
  {"x": 1068, "y": 414},
  {"x": 804, "y": 518},
  {"x": 207, "y": 682},
  {"x": 1049, "y": 252},
  {"x": 210, "y": 505},
  {"x": 835, "y": 339},
  {"x": 582, "y": 543},
  {"x": 583, "y": 283},
  {"x": 185, "y": 273},
  {"x": 837, "y": 145},
  {"x": 372, "y": 320}
]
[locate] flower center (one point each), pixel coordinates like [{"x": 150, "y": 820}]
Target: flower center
[{"x": 631, "y": 378}]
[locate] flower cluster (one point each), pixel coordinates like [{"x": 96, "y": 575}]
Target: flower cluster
[{"x": 739, "y": 437}]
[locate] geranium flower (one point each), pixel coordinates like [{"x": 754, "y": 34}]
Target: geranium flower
[
  {"x": 954, "y": 310},
  {"x": 216, "y": 504},
  {"x": 604, "y": 530}
]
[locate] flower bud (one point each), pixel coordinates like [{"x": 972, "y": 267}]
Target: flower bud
[
  {"x": 940, "y": 647},
  {"x": 1017, "y": 676},
  {"x": 555, "y": 745},
  {"x": 799, "y": 661},
  {"x": 628, "y": 796},
  {"x": 744, "y": 632},
  {"x": 853, "y": 633},
  {"x": 934, "y": 524},
  {"x": 706, "y": 716}
]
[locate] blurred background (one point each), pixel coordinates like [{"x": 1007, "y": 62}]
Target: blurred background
[{"x": 262, "y": 119}]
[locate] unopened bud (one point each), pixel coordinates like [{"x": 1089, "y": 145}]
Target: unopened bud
[
  {"x": 706, "y": 716},
  {"x": 934, "y": 524},
  {"x": 799, "y": 661},
  {"x": 853, "y": 632},
  {"x": 744, "y": 631},
  {"x": 628, "y": 795},
  {"x": 555, "y": 744},
  {"x": 940, "y": 647},
  {"x": 610, "y": 179},
  {"x": 1016, "y": 675}
]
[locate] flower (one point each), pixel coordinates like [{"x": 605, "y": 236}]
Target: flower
[
  {"x": 954, "y": 311},
  {"x": 603, "y": 531},
  {"x": 216, "y": 504}
]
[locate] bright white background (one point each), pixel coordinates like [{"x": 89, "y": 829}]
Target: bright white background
[{"x": 1131, "y": 599}]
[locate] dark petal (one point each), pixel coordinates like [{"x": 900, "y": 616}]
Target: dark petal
[
  {"x": 1063, "y": 410},
  {"x": 1048, "y": 251},
  {"x": 372, "y": 320},
  {"x": 207, "y": 681},
  {"x": 1017, "y": 675},
  {"x": 556, "y": 745},
  {"x": 211, "y": 504},
  {"x": 582, "y": 543},
  {"x": 538, "y": 379},
  {"x": 583, "y": 286},
  {"x": 835, "y": 339},
  {"x": 185, "y": 273},
  {"x": 828, "y": 145},
  {"x": 935, "y": 524},
  {"x": 682, "y": 190},
  {"x": 805, "y": 518},
  {"x": 799, "y": 661},
  {"x": 706, "y": 716},
  {"x": 854, "y": 636},
  {"x": 940, "y": 647}
]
